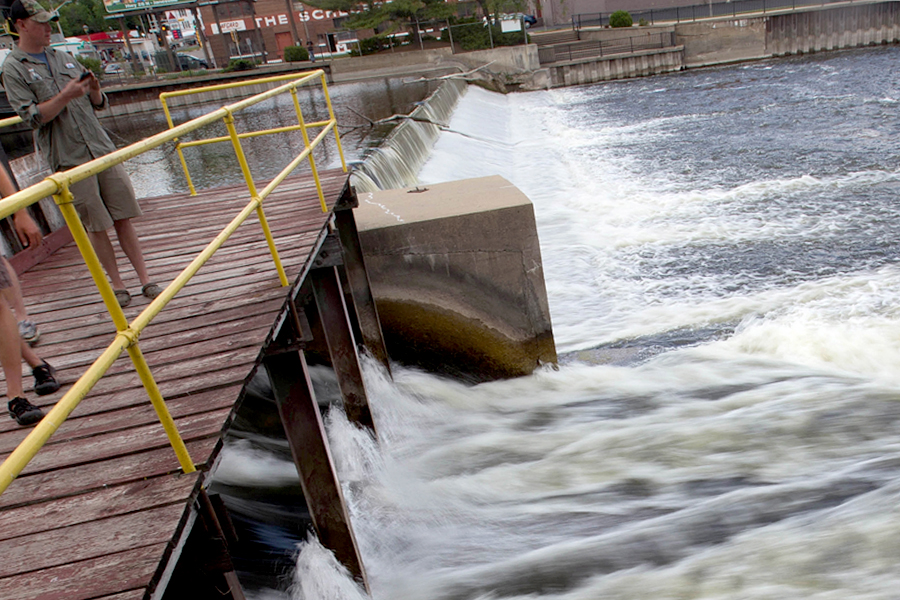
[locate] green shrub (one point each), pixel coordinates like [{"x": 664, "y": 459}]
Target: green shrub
[
  {"x": 295, "y": 54},
  {"x": 376, "y": 43},
  {"x": 239, "y": 64},
  {"x": 643, "y": 22},
  {"x": 91, "y": 64},
  {"x": 620, "y": 18}
]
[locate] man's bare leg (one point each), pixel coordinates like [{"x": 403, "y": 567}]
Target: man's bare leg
[
  {"x": 131, "y": 245},
  {"x": 107, "y": 255},
  {"x": 13, "y": 294},
  {"x": 10, "y": 351}
]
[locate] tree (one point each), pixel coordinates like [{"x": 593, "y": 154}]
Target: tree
[
  {"x": 389, "y": 17},
  {"x": 499, "y": 7},
  {"x": 78, "y": 13}
]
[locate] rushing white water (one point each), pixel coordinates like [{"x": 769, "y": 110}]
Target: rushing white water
[
  {"x": 396, "y": 162},
  {"x": 720, "y": 250}
]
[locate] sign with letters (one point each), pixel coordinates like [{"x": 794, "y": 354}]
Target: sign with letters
[{"x": 114, "y": 6}]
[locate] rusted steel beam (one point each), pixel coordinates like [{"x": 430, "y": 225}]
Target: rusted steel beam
[
  {"x": 358, "y": 277},
  {"x": 217, "y": 544},
  {"x": 302, "y": 422},
  {"x": 329, "y": 302}
]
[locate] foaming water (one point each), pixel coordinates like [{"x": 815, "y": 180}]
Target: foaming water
[
  {"x": 396, "y": 162},
  {"x": 720, "y": 254}
]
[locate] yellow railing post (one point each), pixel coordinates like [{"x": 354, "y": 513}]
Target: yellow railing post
[
  {"x": 337, "y": 137},
  {"x": 64, "y": 199},
  {"x": 312, "y": 161},
  {"x": 248, "y": 177},
  {"x": 159, "y": 405},
  {"x": 184, "y": 167}
]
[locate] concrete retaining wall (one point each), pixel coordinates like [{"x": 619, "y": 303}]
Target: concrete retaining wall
[
  {"x": 359, "y": 64},
  {"x": 722, "y": 41},
  {"x": 506, "y": 58},
  {"x": 618, "y": 33},
  {"x": 638, "y": 64},
  {"x": 455, "y": 269},
  {"x": 846, "y": 27}
]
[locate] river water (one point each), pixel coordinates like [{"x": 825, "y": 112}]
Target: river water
[{"x": 720, "y": 251}]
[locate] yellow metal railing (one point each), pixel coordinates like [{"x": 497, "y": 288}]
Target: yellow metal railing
[
  {"x": 234, "y": 137},
  {"x": 127, "y": 335}
]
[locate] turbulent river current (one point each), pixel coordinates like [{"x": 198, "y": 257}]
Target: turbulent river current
[{"x": 722, "y": 262}]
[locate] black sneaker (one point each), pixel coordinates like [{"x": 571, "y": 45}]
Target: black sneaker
[
  {"x": 24, "y": 412},
  {"x": 44, "y": 379}
]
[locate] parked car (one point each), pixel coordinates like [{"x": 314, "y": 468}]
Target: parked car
[
  {"x": 191, "y": 63},
  {"x": 529, "y": 20},
  {"x": 114, "y": 69}
]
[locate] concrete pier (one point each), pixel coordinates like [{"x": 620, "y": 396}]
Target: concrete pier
[{"x": 455, "y": 270}]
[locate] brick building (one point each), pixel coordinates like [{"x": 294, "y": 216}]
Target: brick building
[{"x": 261, "y": 30}]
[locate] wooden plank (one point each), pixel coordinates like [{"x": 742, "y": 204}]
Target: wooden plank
[
  {"x": 172, "y": 344},
  {"x": 186, "y": 370},
  {"x": 134, "y": 395},
  {"x": 100, "y": 504},
  {"x": 251, "y": 331},
  {"x": 254, "y": 285},
  {"x": 137, "y": 594},
  {"x": 122, "y": 469},
  {"x": 65, "y": 304},
  {"x": 91, "y": 540},
  {"x": 121, "y": 443},
  {"x": 205, "y": 371},
  {"x": 29, "y": 257},
  {"x": 105, "y": 575},
  {"x": 219, "y": 311},
  {"x": 125, "y": 417},
  {"x": 69, "y": 265}
]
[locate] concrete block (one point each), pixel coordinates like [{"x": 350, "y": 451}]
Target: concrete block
[{"x": 456, "y": 273}]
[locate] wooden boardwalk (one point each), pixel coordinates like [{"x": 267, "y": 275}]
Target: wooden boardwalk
[{"x": 100, "y": 510}]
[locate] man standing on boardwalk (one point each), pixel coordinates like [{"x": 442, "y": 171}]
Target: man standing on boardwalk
[{"x": 56, "y": 96}]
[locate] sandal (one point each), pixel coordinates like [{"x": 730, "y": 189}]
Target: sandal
[
  {"x": 151, "y": 290},
  {"x": 123, "y": 297}
]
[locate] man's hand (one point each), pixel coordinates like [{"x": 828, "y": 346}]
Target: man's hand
[
  {"x": 94, "y": 89},
  {"x": 29, "y": 233},
  {"x": 95, "y": 83},
  {"x": 78, "y": 88}
]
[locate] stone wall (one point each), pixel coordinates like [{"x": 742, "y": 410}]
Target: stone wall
[{"x": 622, "y": 66}]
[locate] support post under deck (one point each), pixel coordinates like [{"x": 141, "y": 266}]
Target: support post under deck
[
  {"x": 358, "y": 278},
  {"x": 329, "y": 302},
  {"x": 302, "y": 423}
]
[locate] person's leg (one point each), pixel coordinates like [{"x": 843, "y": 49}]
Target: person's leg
[
  {"x": 30, "y": 356},
  {"x": 97, "y": 221},
  {"x": 118, "y": 197},
  {"x": 10, "y": 351},
  {"x": 28, "y": 329},
  {"x": 107, "y": 255},
  {"x": 131, "y": 245},
  {"x": 13, "y": 293}
]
